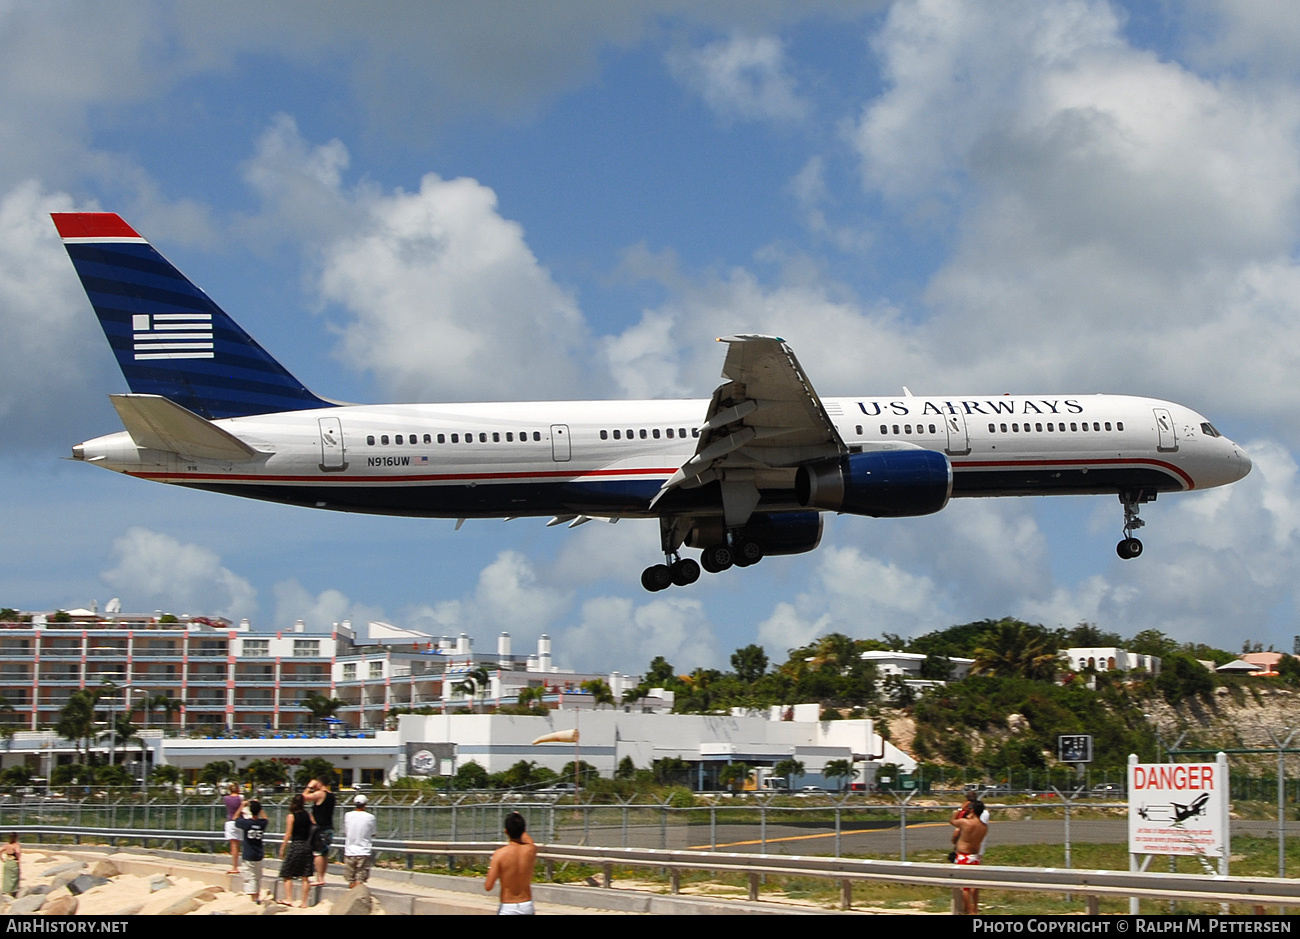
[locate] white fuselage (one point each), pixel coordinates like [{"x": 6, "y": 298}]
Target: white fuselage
[{"x": 610, "y": 458}]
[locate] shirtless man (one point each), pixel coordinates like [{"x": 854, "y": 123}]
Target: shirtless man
[
  {"x": 513, "y": 865},
  {"x": 967, "y": 840}
]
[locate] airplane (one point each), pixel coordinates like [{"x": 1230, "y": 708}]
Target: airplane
[
  {"x": 1184, "y": 811},
  {"x": 740, "y": 476}
]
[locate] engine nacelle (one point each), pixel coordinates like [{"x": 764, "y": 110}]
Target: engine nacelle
[
  {"x": 881, "y": 483},
  {"x": 777, "y": 532}
]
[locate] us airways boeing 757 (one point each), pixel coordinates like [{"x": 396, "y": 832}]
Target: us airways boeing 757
[{"x": 744, "y": 474}]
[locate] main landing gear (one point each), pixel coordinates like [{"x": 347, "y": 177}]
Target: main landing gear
[
  {"x": 1131, "y": 547},
  {"x": 681, "y": 572}
]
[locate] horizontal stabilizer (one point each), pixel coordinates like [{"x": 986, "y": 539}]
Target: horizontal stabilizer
[{"x": 156, "y": 423}]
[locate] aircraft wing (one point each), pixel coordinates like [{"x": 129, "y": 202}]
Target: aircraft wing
[{"x": 765, "y": 417}]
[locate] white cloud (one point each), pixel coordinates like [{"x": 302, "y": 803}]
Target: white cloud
[
  {"x": 446, "y": 301},
  {"x": 56, "y": 362},
  {"x": 616, "y": 633},
  {"x": 157, "y": 570},
  {"x": 294, "y": 602},
  {"x": 508, "y": 597},
  {"x": 741, "y": 77}
]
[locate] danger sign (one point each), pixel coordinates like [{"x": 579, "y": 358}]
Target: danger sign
[{"x": 1178, "y": 808}]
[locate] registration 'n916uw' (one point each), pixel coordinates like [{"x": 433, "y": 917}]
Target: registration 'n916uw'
[{"x": 742, "y": 475}]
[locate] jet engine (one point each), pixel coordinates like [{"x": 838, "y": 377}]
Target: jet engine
[
  {"x": 775, "y": 532},
  {"x": 880, "y": 483}
]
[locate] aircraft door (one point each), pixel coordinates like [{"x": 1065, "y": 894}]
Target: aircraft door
[
  {"x": 560, "y": 451},
  {"x": 958, "y": 435},
  {"x": 1168, "y": 442},
  {"x": 331, "y": 445}
]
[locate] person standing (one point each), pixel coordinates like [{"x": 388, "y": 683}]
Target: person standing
[
  {"x": 967, "y": 841},
  {"x": 322, "y": 813},
  {"x": 252, "y": 825},
  {"x": 513, "y": 865},
  {"x": 234, "y": 803},
  {"x": 12, "y": 855},
  {"x": 295, "y": 851},
  {"x": 358, "y": 842}
]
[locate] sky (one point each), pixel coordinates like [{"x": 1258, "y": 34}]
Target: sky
[{"x": 510, "y": 201}]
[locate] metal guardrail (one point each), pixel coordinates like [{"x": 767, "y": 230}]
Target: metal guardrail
[{"x": 1091, "y": 884}]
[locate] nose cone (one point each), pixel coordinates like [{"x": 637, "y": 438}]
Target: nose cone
[{"x": 1243, "y": 461}]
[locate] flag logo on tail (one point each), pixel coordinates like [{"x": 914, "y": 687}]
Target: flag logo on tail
[{"x": 172, "y": 336}]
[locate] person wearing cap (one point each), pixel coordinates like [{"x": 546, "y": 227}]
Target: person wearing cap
[{"x": 358, "y": 839}]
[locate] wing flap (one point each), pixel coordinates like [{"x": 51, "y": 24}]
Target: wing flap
[{"x": 156, "y": 423}]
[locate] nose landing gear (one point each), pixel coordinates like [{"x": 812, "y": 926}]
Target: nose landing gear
[{"x": 1131, "y": 547}]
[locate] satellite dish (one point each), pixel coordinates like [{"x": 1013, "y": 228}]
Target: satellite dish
[{"x": 113, "y": 606}]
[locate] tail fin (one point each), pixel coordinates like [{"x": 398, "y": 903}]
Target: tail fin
[{"x": 170, "y": 339}]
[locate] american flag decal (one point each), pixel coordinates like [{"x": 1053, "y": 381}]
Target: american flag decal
[{"x": 172, "y": 335}]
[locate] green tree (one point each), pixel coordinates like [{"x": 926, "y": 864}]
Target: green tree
[
  {"x": 660, "y": 674},
  {"x": 165, "y": 775},
  {"x": 216, "y": 772},
  {"x": 470, "y": 776},
  {"x": 838, "y": 769},
  {"x": 791, "y": 769},
  {"x": 316, "y": 768},
  {"x": 166, "y": 703},
  {"x": 749, "y": 663},
  {"x": 265, "y": 774},
  {"x": 733, "y": 775},
  {"x": 321, "y": 706},
  {"x": 77, "y": 718},
  {"x": 1016, "y": 649},
  {"x": 600, "y": 691},
  {"x": 626, "y": 769},
  {"x": 587, "y": 774}
]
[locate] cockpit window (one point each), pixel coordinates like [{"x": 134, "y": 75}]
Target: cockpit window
[{"x": 1208, "y": 429}]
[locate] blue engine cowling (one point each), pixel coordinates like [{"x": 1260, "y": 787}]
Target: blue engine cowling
[
  {"x": 777, "y": 532},
  {"x": 882, "y": 483}
]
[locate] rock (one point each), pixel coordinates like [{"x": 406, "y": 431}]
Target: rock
[
  {"x": 271, "y": 907},
  {"x": 34, "y": 888},
  {"x": 355, "y": 902},
  {"x": 75, "y": 867},
  {"x": 64, "y": 905},
  {"x": 1017, "y": 723},
  {"x": 28, "y": 904},
  {"x": 159, "y": 882},
  {"x": 105, "y": 868},
  {"x": 208, "y": 894},
  {"x": 83, "y": 882}
]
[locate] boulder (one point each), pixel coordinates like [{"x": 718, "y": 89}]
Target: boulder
[
  {"x": 105, "y": 868},
  {"x": 28, "y": 904},
  {"x": 358, "y": 901},
  {"x": 83, "y": 882},
  {"x": 62, "y": 905}
]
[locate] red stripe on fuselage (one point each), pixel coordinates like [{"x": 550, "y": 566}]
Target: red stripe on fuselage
[{"x": 1001, "y": 464}]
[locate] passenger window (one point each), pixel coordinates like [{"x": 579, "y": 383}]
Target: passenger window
[
  {"x": 907, "y": 428},
  {"x": 482, "y": 438},
  {"x": 1050, "y": 427},
  {"x": 630, "y": 435},
  {"x": 537, "y": 435},
  {"x": 1119, "y": 425},
  {"x": 370, "y": 441},
  {"x": 1074, "y": 427},
  {"x": 932, "y": 430},
  {"x": 681, "y": 432},
  {"x": 669, "y": 432},
  {"x": 695, "y": 431},
  {"x": 618, "y": 435},
  {"x": 455, "y": 438},
  {"x": 384, "y": 439},
  {"x": 398, "y": 440},
  {"x": 496, "y": 438},
  {"x": 510, "y": 436},
  {"x": 895, "y": 428},
  {"x": 859, "y": 430},
  {"x": 442, "y": 438},
  {"x": 1108, "y": 425},
  {"x": 604, "y": 435},
  {"x": 992, "y": 429},
  {"x": 1004, "y": 428},
  {"x": 1096, "y": 426},
  {"x": 884, "y": 429},
  {"x": 1084, "y": 426},
  {"x": 1015, "y": 428},
  {"x": 643, "y": 433},
  {"x": 428, "y": 439},
  {"x": 1038, "y": 427},
  {"x": 655, "y": 433}
]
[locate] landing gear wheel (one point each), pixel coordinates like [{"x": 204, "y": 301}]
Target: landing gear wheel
[
  {"x": 717, "y": 558},
  {"x": 657, "y": 577},
  {"x": 747, "y": 553},
  {"x": 685, "y": 572},
  {"x": 1129, "y": 548}
]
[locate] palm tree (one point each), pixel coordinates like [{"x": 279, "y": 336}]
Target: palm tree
[
  {"x": 838, "y": 769},
  {"x": 733, "y": 775},
  {"x": 531, "y": 696},
  {"x": 599, "y": 689},
  {"x": 1014, "y": 649},
  {"x": 77, "y": 718},
  {"x": 789, "y": 768},
  {"x": 321, "y": 707},
  {"x": 166, "y": 703}
]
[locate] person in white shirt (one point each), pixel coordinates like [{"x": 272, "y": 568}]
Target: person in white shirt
[{"x": 358, "y": 837}]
